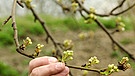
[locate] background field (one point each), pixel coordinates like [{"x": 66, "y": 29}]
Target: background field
[{"x": 14, "y": 64}]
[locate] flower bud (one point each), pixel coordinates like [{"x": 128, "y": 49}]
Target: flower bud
[{"x": 92, "y": 10}]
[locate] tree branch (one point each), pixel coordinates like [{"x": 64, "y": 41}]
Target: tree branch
[
  {"x": 83, "y": 68},
  {"x": 115, "y": 14},
  {"x": 106, "y": 15},
  {"x": 104, "y": 29},
  {"x": 6, "y": 20},
  {"x": 14, "y": 24},
  {"x": 15, "y": 30},
  {"x": 20, "y": 4},
  {"x": 118, "y": 6},
  {"x": 20, "y": 51},
  {"x": 114, "y": 41},
  {"x": 49, "y": 36}
]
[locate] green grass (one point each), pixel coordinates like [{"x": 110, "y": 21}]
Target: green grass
[
  {"x": 129, "y": 23},
  {"x": 26, "y": 26},
  {"x": 127, "y": 41},
  {"x": 108, "y": 22},
  {"x": 111, "y": 24},
  {"x": 6, "y": 70},
  {"x": 115, "y": 54},
  {"x": 6, "y": 35},
  {"x": 6, "y": 39},
  {"x": 68, "y": 23}
]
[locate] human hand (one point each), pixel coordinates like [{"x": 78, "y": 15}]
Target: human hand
[{"x": 47, "y": 66}]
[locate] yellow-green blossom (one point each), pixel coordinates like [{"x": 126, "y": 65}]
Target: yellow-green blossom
[
  {"x": 27, "y": 41},
  {"x": 68, "y": 44},
  {"x": 38, "y": 48},
  {"x": 92, "y": 10},
  {"x": 67, "y": 55},
  {"x": 93, "y": 60},
  {"x": 83, "y": 35},
  {"x": 92, "y": 16},
  {"x": 111, "y": 69},
  {"x": 74, "y": 4}
]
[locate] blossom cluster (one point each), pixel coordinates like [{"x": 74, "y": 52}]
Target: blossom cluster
[
  {"x": 91, "y": 16},
  {"x": 120, "y": 25},
  {"x": 38, "y": 49},
  {"x": 67, "y": 55},
  {"x": 68, "y": 44},
  {"x": 123, "y": 65},
  {"x": 93, "y": 60},
  {"x": 27, "y": 42},
  {"x": 110, "y": 69},
  {"x": 85, "y": 35}
]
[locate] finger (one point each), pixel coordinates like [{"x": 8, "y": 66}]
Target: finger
[
  {"x": 48, "y": 70},
  {"x": 41, "y": 61},
  {"x": 65, "y": 72}
]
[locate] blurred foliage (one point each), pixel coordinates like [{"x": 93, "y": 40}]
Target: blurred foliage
[
  {"x": 127, "y": 41},
  {"x": 27, "y": 27},
  {"x": 6, "y": 39},
  {"x": 115, "y": 54},
  {"x": 6, "y": 70},
  {"x": 110, "y": 23},
  {"x": 68, "y": 23}
]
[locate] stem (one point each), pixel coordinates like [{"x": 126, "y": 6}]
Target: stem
[
  {"x": 14, "y": 24},
  {"x": 6, "y": 20},
  {"x": 114, "y": 41},
  {"x": 118, "y": 6},
  {"x": 83, "y": 68},
  {"x": 49, "y": 36},
  {"x": 15, "y": 30},
  {"x": 106, "y": 15},
  {"x": 124, "y": 10}
]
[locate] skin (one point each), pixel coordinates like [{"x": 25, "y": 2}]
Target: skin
[{"x": 47, "y": 66}]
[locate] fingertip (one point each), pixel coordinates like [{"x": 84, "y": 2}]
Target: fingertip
[
  {"x": 64, "y": 72},
  {"x": 60, "y": 66},
  {"x": 67, "y": 69}
]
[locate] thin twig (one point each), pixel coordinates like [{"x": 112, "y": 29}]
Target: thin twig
[
  {"x": 20, "y": 4},
  {"x": 118, "y": 6},
  {"x": 14, "y": 24},
  {"x": 49, "y": 36},
  {"x": 6, "y": 20},
  {"x": 16, "y": 32},
  {"x": 106, "y": 15},
  {"x": 114, "y": 41},
  {"x": 115, "y": 14},
  {"x": 82, "y": 15},
  {"x": 20, "y": 51},
  {"x": 83, "y": 68},
  {"x": 64, "y": 8}
]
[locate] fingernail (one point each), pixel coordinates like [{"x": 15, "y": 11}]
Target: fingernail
[
  {"x": 52, "y": 60},
  {"x": 59, "y": 66}
]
